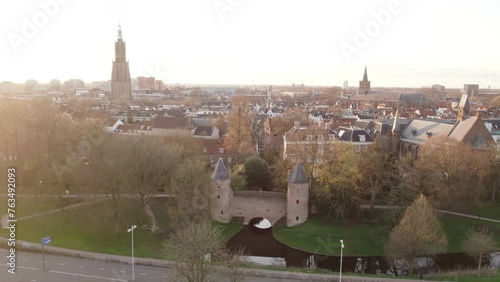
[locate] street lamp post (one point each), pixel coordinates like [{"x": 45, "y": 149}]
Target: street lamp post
[
  {"x": 341, "y": 254},
  {"x": 131, "y": 230}
]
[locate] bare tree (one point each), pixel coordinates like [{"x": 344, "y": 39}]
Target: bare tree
[
  {"x": 447, "y": 171},
  {"x": 190, "y": 185},
  {"x": 477, "y": 244},
  {"x": 198, "y": 248},
  {"x": 418, "y": 233},
  {"x": 108, "y": 168},
  {"x": 150, "y": 166}
]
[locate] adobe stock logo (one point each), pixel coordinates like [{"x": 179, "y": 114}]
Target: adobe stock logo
[
  {"x": 31, "y": 26},
  {"x": 363, "y": 37},
  {"x": 224, "y": 6}
]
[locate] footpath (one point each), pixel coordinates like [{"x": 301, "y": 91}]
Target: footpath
[{"x": 32, "y": 247}]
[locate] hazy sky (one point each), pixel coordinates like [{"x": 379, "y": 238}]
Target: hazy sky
[{"x": 403, "y": 43}]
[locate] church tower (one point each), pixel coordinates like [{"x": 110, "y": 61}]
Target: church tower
[
  {"x": 364, "y": 85},
  {"x": 121, "y": 87},
  {"x": 297, "y": 197},
  {"x": 221, "y": 193}
]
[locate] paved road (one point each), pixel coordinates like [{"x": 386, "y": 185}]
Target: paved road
[{"x": 69, "y": 269}]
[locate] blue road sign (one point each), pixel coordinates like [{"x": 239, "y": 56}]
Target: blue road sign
[{"x": 46, "y": 240}]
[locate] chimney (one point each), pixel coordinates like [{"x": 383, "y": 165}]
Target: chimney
[{"x": 296, "y": 124}]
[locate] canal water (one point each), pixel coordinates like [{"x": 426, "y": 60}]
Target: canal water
[{"x": 261, "y": 246}]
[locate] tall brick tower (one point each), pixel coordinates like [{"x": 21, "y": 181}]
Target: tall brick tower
[
  {"x": 297, "y": 197},
  {"x": 121, "y": 87},
  {"x": 221, "y": 194}
]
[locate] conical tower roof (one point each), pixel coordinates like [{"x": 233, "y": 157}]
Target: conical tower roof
[
  {"x": 365, "y": 75},
  {"x": 220, "y": 171},
  {"x": 298, "y": 175}
]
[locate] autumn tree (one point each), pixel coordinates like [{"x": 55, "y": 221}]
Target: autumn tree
[
  {"x": 419, "y": 233},
  {"x": 338, "y": 194},
  {"x": 239, "y": 139},
  {"x": 280, "y": 125},
  {"x": 477, "y": 244}
]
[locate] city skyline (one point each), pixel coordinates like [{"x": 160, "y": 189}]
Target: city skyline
[{"x": 403, "y": 43}]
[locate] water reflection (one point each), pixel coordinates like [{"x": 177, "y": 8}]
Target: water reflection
[
  {"x": 261, "y": 223},
  {"x": 265, "y": 260}
]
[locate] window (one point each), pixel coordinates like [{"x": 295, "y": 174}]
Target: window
[
  {"x": 212, "y": 158},
  {"x": 221, "y": 212},
  {"x": 218, "y": 186},
  {"x": 218, "y": 196},
  {"x": 205, "y": 150},
  {"x": 297, "y": 201},
  {"x": 221, "y": 150},
  {"x": 309, "y": 137},
  {"x": 362, "y": 138},
  {"x": 229, "y": 159},
  {"x": 297, "y": 218}
]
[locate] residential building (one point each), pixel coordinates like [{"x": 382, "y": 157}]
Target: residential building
[{"x": 146, "y": 83}]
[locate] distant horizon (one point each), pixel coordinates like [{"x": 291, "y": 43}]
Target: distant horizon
[
  {"x": 257, "y": 85},
  {"x": 279, "y": 42}
]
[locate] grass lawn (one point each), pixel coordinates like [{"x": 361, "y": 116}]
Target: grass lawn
[
  {"x": 467, "y": 276},
  {"x": 323, "y": 236},
  {"x": 319, "y": 235},
  {"x": 29, "y": 206},
  {"x": 229, "y": 229},
  {"x": 90, "y": 228},
  {"x": 457, "y": 227},
  {"x": 484, "y": 209}
]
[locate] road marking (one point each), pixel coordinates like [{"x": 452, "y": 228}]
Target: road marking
[
  {"x": 32, "y": 280},
  {"x": 88, "y": 276},
  {"x": 22, "y": 267},
  {"x": 122, "y": 271},
  {"x": 61, "y": 263},
  {"x": 101, "y": 268},
  {"x": 28, "y": 268},
  {"x": 81, "y": 266},
  {"x": 24, "y": 259},
  {"x": 143, "y": 273}
]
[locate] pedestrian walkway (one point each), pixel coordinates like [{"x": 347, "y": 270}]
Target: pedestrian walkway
[
  {"x": 382, "y": 207},
  {"x": 63, "y": 209}
]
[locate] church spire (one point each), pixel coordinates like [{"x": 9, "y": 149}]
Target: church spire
[
  {"x": 120, "y": 32},
  {"x": 365, "y": 75},
  {"x": 364, "y": 85}
]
